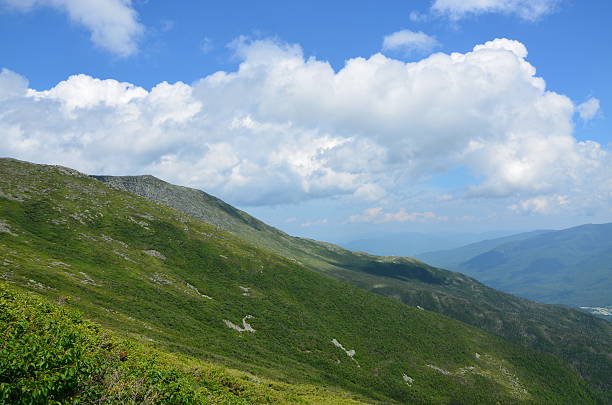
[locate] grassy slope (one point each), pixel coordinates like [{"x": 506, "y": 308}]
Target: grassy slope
[
  {"x": 64, "y": 234},
  {"x": 571, "y": 335},
  {"x": 49, "y": 353}
]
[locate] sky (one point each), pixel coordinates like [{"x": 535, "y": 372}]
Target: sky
[{"x": 330, "y": 120}]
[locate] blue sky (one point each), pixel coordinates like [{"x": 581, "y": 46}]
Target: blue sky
[{"x": 256, "y": 103}]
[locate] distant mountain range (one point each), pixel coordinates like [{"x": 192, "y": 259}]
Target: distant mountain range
[
  {"x": 413, "y": 243},
  {"x": 453, "y": 257},
  {"x": 570, "y": 267},
  {"x": 192, "y": 276}
]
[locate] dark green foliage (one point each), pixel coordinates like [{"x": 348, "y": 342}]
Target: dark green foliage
[{"x": 50, "y": 355}]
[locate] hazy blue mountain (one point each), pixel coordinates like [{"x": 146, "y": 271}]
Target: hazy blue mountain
[
  {"x": 413, "y": 243},
  {"x": 570, "y": 267},
  {"x": 451, "y": 258}
]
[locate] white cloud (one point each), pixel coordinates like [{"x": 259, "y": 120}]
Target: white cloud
[
  {"x": 378, "y": 215},
  {"x": 12, "y": 85},
  {"x": 85, "y": 92},
  {"x": 283, "y": 128},
  {"x": 369, "y": 192},
  {"x": 113, "y": 24},
  {"x": 416, "y": 16},
  {"x": 530, "y": 10},
  {"x": 409, "y": 42},
  {"x": 541, "y": 205},
  {"x": 317, "y": 222},
  {"x": 589, "y": 109}
]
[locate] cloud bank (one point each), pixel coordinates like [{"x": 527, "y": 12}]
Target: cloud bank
[
  {"x": 284, "y": 128},
  {"x": 113, "y": 24}
]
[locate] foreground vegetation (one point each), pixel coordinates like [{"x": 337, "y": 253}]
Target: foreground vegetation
[
  {"x": 157, "y": 277},
  {"x": 49, "y": 354}
]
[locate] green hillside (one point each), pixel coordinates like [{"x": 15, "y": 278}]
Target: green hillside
[
  {"x": 177, "y": 284},
  {"x": 49, "y": 353},
  {"x": 578, "y": 338}
]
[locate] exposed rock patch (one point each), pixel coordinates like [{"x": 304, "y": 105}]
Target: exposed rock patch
[
  {"x": 87, "y": 279},
  {"x": 109, "y": 239},
  {"x": 197, "y": 291},
  {"x": 38, "y": 285},
  {"x": 144, "y": 224},
  {"x": 58, "y": 263},
  {"x": 246, "y": 327},
  {"x": 160, "y": 279},
  {"x": 438, "y": 369},
  {"x": 5, "y": 228},
  {"x": 123, "y": 256},
  {"x": 350, "y": 353},
  {"x": 154, "y": 253},
  {"x": 10, "y": 197}
]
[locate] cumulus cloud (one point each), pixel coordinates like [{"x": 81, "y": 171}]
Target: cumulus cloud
[
  {"x": 12, "y": 84},
  {"x": 541, "y": 205},
  {"x": 530, "y": 10},
  {"x": 284, "y": 128},
  {"x": 113, "y": 24},
  {"x": 589, "y": 109},
  {"x": 378, "y": 215},
  {"x": 409, "y": 42}
]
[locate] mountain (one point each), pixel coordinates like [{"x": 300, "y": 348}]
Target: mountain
[
  {"x": 182, "y": 287},
  {"x": 575, "y": 337},
  {"x": 413, "y": 243},
  {"x": 452, "y": 258},
  {"x": 570, "y": 267}
]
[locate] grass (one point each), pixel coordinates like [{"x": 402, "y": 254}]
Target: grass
[{"x": 50, "y": 354}]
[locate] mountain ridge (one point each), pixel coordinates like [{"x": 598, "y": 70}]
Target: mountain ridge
[{"x": 560, "y": 331}]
